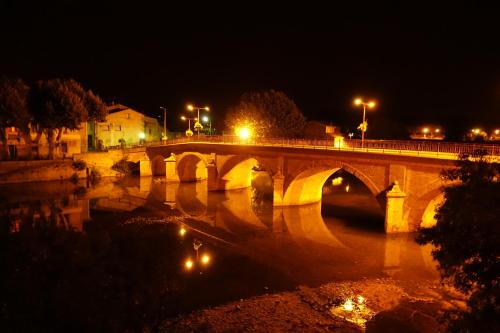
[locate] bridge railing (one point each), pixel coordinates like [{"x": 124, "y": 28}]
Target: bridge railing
[{"x": 424, "y": 148}]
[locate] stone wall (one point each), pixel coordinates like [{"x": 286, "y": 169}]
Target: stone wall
[
  {"x": 32, "y": 171},
  {"x": 102, "y": 161}
]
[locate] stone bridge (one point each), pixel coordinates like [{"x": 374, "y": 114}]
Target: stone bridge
[{"x": 407, "y": 187}]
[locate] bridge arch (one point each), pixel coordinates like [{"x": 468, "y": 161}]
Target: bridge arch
[
  {"x": 158, "y": 167},
  {"x": 428, "y": 220},
  {"x": 306, "y": 187},
  {"x": 236, "y": 172},
  {"x": 191, "y": 167}
]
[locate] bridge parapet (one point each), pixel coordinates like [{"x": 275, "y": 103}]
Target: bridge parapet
[{"x": 429, "y": 149}]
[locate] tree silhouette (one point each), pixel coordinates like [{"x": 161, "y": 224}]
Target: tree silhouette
[
  {"x": 269, "y": 113},
  {"x": 63, "y": 104},
  {"x": 13, "y": 108},
  {"x": 466, "y": 240}
]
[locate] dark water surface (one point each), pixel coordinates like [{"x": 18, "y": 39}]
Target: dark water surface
[{"x": 112, "y": 257}]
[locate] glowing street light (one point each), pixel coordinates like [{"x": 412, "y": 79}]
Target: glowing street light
[
  {"x": 476, "y": 131},
  {"x": 188, "y": 264},
  {"x": 364, "y": 125},
  {"x": 425, "y": 130},
  {"x": 206, "y": 119},
  {"x": 188, "y": 131},
  {"x": 182, "y": 231},
  {"x": 205, "y": 259},
  {"x": 244, "y": 133},
  {"x": 197, "y": 125}
]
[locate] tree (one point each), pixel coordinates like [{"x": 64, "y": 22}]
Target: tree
[
  {"x": 269, "y": 113},
  {"x": 13, "y": 108},
  {"x": 63, "y": 104},
  {"x": 466, "y": 241}
]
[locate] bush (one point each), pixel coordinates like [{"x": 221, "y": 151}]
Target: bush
[
  {"x": 122, "y": 166},
  {"x": 79, "y": 165}
]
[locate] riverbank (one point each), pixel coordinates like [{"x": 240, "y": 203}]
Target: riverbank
[
  {"x": 371, "y": 305},
  {"x": 101, "y": 164},
  {"x": 36, "y": 171}
]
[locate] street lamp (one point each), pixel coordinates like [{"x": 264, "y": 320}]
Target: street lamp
[
  {"x": 206, "y": 119},
  {"x": 364, "y": 124},
  {"x": 188, "y": 131},
  {"x": 164, "y": 136},
  {"x": 426, "y": 130},
  {"x": 197, "y": 125}
]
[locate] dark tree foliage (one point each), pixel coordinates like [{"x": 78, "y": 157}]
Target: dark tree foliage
[
  {"x": 13, "y": 108},
  {"x": 466, "y": 240},
  {"x": 269, "y": 113},
  {"x": 63, "y": 104}
]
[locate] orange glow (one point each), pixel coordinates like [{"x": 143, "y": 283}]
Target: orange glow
[
  {"x": 497, "y": 131},
  {"x": 358, "y": 101},
  {"x": 189, "y": 264},
  {"x": 371, "y": 105},
  {"x": 244, "y": 132},
  {"x": 426, "y": 130},
  {"x": 190, "y": 107},
  {"x": 205, "y": 259},
  {"x": 182, "y": 231},
  {"x": 348, "y": 305}
]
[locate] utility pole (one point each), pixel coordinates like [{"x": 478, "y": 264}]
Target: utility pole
[{"x": 164, "y": 137}]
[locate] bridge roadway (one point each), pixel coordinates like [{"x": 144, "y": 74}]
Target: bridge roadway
[{"x": 404, "y": 176}]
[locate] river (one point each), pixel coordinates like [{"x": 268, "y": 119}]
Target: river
[{"x": 123, "y": 255}]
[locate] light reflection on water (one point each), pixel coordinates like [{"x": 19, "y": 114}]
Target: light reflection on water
[{"x": 263, "y": 249}]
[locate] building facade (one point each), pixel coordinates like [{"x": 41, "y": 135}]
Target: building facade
[{"x": 123, "y": 127}]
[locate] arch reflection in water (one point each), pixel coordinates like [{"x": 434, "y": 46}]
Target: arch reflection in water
[
  {"x": 306, "y": 222},
  {"x": 237, "y": 212}
]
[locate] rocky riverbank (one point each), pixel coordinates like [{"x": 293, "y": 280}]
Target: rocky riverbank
[{"x": 377, "y": 305}]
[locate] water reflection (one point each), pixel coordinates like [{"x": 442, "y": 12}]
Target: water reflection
[{"x": 69, "y": 253}]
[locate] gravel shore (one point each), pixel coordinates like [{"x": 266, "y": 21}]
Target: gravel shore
[{"x": 386, "y": 307}]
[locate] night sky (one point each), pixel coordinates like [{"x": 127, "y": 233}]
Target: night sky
[{"x": 424, "y": 65}]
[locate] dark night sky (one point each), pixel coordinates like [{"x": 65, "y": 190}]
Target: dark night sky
[{"x": 422, "y": 64}]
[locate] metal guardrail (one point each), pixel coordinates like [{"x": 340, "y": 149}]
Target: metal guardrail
[{"x": 412, "y": 148}]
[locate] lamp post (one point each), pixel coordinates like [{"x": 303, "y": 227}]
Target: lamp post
[
  {"x": 164, "y": 136},
  {"x": 364, "y": 125},
  {"x": 425, "y": 130},
  {"x": 197, "y": 125},
  {"x": 188, "y": 131},
  {"x": 207, "y": 120}
]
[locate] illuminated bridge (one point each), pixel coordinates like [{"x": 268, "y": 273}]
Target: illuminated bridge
[{"x": 403, "y": 175}]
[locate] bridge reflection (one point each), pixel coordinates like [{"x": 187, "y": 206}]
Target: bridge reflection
[
  {"x": 238, "y": 212},
  {"x": 294, "y": 238}
]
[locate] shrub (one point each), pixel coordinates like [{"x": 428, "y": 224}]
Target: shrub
[
  {"x": 79, "y": 165},
  {"x": 122, "y": 166}
]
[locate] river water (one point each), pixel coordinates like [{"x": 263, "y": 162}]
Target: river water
[{"x": 114, "y": 256}]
